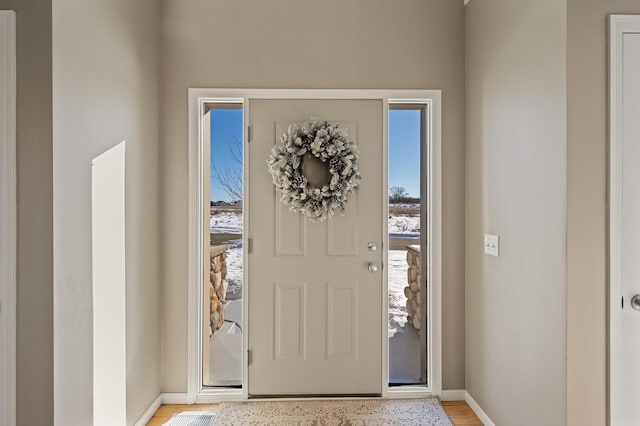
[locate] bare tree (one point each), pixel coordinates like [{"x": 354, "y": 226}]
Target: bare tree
[
  {"x": 230, "y": 178},
  {"x": 397, "y": 194}
]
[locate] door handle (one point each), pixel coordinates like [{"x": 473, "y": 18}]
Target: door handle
[
  {"x": 635, "y": 302},
  {"x": 372, "y": 267}
]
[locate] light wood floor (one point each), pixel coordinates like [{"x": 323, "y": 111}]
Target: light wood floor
[
  {"x": 165, "y": 412},
  {"x": 459, "y": 413}
]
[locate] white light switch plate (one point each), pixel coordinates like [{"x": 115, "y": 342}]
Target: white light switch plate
[{"x": 491, "y": 245}]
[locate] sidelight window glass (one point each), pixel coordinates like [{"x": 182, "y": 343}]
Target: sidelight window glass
[
  {"x": 223, "y": 328},
  {"x": 407, "y": 245}
]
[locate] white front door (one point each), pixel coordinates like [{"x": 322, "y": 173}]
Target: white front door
[
  {"x": 625, "y": 229},
  {"x": 315, "y": 310}
]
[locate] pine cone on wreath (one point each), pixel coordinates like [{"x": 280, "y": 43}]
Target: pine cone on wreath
[
  {"x": 336, "y": 164},
  {"x": 299, "y": 180}
]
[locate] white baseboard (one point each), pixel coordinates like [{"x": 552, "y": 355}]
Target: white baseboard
[
  {"x": 453, "y": 395},
  {"x": 163, "y": 398},
  {"x": 479, "y": 411},
  {"x": 146, "y": 416},
  {"x": 175, "y": 398}
]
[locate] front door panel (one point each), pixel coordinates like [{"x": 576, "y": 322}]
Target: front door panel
[{"x": 315, "y": 311}]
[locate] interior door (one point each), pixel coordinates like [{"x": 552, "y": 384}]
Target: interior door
[
  {"x": 626, "y": 383},
  {"x": 315, "y": 309}
]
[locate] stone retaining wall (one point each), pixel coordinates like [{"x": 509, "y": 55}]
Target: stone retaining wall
[
  {"x": 217, "y": 286},
  {"x": 412, "y": 291}
]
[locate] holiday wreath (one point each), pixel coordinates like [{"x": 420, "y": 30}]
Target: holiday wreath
[{"x": 328, "y": 143}]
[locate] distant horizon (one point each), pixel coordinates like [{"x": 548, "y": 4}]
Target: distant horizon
[{"x": 404, "y": 145}]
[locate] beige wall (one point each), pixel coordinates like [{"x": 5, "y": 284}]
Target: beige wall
[
  {"x": 35, "y": 225},
  {"x": 587, "y": 97},
  {"x": 106, "y": 85},
  {"x": 516, "y": 188},
  {"x": 307, "y": 44}
]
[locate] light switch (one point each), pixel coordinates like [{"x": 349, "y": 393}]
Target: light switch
[{"x": 491, "y": 245}]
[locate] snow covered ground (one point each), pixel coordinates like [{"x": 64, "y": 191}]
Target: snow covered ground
[
  {"x": 397, "y": 282},
  {"x": 234, "y": 272},
  {"x": 405, "y": 205},
  {"x": 230, "y": 223},
  {"x": 226, "y": 222},
  {"x": 404, "y": 225}
]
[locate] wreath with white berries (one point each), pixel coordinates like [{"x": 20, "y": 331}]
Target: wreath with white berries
[{"x": 328, "y": 143}]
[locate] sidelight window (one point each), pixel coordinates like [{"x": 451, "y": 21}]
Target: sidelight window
[
  {"x": 223, "y": 328},
  {"x": 407, "y": 245}
]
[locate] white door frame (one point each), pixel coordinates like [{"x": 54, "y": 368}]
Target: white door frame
[
  {"x": 618, "y": 26},
  {"x": 8, "y": 221},
  {"x": 198, "y": 98}
]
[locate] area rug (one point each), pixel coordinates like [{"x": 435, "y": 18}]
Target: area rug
[
  {"x": 354, "y": 412},
  {"x": 191, "y": 418}
]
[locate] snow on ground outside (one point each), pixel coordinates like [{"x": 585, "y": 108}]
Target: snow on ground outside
[
  {"x": 230, "y": 223},
  {"x": 404, "y": 225},
  {"x": 226, "y": 222},
  {"x": 397, "y": 282},
  {"x": 234, "y": 272},
  {"x": 405, "y": 205}
]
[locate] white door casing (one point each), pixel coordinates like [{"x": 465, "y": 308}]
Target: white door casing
[
  {"x": 315, "y": 310},
  {"x": 624, "y": 216},
  {"x": 8, "y": 256},
  {"x": 198, "y": 99}
]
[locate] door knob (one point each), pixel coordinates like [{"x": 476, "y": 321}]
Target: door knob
[
  {"x": 372, "y": 267},
  {"x": 635, "y": 302}
]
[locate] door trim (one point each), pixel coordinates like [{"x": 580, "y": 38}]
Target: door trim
[
  {"x": 618, "y": 26},
  {"x": 198, "y": 97},
  {"x": 8, "y": 241}
]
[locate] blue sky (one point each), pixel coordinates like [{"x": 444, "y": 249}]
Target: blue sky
[
  {"x": 404, "y": 143},
  {"x": 226, "y": 125},
  {"x": 404, "y": 150}
]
